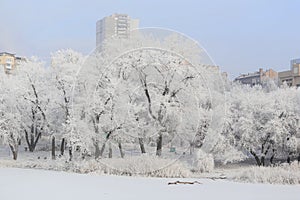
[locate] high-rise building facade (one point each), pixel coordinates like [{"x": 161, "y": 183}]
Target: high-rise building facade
[{"x": 118, "y": 25}]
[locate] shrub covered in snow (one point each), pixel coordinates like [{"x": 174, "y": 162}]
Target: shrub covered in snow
[
  {"x": 151, "y": 166},
  {"x": 283, "y": 174},
  {"x": 58, "y": 165},
  {"x": 145, "y": 166},
  {"x": 203, "y": 162}
]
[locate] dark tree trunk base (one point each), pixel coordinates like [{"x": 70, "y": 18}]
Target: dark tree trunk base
[
  {"x": 62, "y": 146},
  {"x": 102, "y": 149},
  {"x": 97, "y": 150},
  {"x": 70, "y": 154},
  {"x": 53, "y": 148},
  {"x": 142, "y": 146},
  {"x": 256, "y": 158},
  {"x": 159, "y": 145},
  {"x": 121, "y": 150},
  {"x": 14, "y": 152},
  {"x": 109, "y": 151}
]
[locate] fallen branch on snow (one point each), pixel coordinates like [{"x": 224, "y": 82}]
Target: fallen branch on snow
[{"x": 183, "y": 182}]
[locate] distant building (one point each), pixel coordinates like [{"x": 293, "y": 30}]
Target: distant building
[
  {"x": 9, "y": 61},
  {"x": 115, "y": 25},
  {"x": 291, "y": 77},
  {"x": 258, "y": 77}
]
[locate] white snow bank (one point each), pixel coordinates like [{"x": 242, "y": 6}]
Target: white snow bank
[
  {"x": 26, "y": 184},
  {"x": 283, "y": 174}
]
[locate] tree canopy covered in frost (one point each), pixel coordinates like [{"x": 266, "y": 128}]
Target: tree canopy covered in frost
[
  {"x": 263, "y": 124},
  {"x": 145, "y": 96}
]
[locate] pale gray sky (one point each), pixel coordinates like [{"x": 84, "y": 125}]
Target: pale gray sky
[{"x": 240, "y": 35}]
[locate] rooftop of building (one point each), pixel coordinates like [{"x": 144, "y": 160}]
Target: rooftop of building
[
  {"x": 285, "y": 73},
  {"x": 255, "y": 74},
  {"x": 248, "y": 75},
  {"x": 117, "y": 15},
  {"x": 6, "y": 53},
  {"x": 295, "y": 61}
]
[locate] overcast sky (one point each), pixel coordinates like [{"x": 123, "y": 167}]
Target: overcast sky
[{"x": 240, "y": 35}]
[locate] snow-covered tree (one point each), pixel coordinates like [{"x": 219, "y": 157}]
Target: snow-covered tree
[
  {"x": 31, "y": 88},
  {"x": 263, "y": 124},
  {"x": 10, "y": 120},
  {"x": 64, "y": 67},
  {"x": 156, "y": 88}
]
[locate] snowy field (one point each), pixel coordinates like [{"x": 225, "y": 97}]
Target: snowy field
[{"x": 26, "y": 184}]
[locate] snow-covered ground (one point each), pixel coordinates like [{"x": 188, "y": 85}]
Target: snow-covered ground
[{"x": 27, "y": 184}]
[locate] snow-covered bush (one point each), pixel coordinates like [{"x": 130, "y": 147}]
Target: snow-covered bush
[
  {"x": 203, "y": 162},
  {"x": 283, "y": 174},
  {"x": 145, "y": 166},
  {"x": 150, "y": 166}
]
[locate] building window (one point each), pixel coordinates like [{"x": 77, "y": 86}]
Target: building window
[
  {"x": 8, "y": 66},
  {"x": 296, "y": 70}
]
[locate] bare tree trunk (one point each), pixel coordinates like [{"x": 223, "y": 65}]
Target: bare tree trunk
[
  {"x": 264, "y": 155},
  {"x": 262, "y": 160},
  {"x": 32, "y": 141},
  {"x": 121, "y": 150},
  {"x": 192, "y": 147},
  {"x": 15, "y": 155},
  {"x": 53, "y": 148},
  {"x": 103, "y": 145},
  {"x": 97, "y": 150},
  {"x": 159, "y": 145},
  {"x": 142, "y": 146},
  {"x": 62, "y": 146},
  {"x": 272, "y": 157},
  {"x": 256, "y": 158},
  {"x": 70, "y": 154},
  {"x": 288, "y": 160},
  {"x": 109, "y": 151},
  {"x": 14, "y": 152},
  {"x": 102, "y": 149}
]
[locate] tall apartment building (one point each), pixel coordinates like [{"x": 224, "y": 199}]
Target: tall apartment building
[
  {"x": 257, "y": 78},
  {"x": 291, "y": 77},
  {"x": 118, "y": 25},
  {"x": 9, "y": 61}
]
